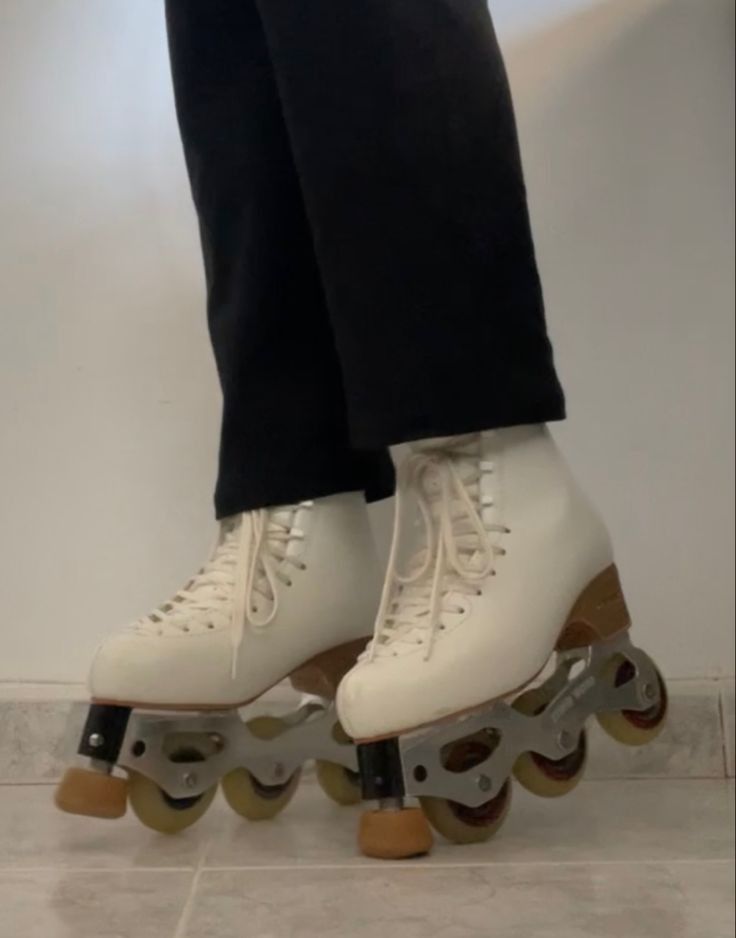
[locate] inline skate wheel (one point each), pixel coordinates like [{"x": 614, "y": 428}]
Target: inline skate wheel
[
  {"x": 457, "y": 822},
  {"x": 93, "y": 794},
  {"x": 399, "y": 834},
  {"x": 337, "y": 782},
  {"x": 463, "y": 825},
  {"x": 634, "y": 727},
  {"x": 246, "y": 795},
  {"x": 548, "y": 778},
  {"x": 157, "y": 810}
]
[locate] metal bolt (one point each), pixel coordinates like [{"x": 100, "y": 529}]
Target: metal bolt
[
  {"x": 190, "y": 779},
  {"x": 565, "y": 740},
  {"x": 96, "y": 741},
  {"x": 484, "y": 783},
  {"x": 217, "y": 741},
  {"x": 650, "y": 692},
  {"x": 278, "y": 770}
]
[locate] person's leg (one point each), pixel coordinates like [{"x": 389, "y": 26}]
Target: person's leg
[
  {"x": 284, "y": 430},
  {"x": 402, "y": 127},
  {"x": 401, "y": 124},
  {"x": 291, "y": 588}
]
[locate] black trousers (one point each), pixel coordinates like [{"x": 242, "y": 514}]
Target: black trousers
[{"x": 369, "y": 260}]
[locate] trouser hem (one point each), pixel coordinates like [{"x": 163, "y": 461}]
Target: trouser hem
[{"x": 390, "y": 432}]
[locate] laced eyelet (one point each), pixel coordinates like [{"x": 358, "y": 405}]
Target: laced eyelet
[
  {"x": 289, "y": 582},
  {"x": 480, "y": 592},
  {"x": 302, "y": 566}
]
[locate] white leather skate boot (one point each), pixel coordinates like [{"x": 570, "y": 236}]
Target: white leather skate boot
[
  {"x": 283, "y": 586},
  {"x": 289, "y": 592},
  {"x": 514, "y": 563}
]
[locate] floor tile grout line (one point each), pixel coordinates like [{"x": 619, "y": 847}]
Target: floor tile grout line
[
  {"x": 354, "y": 866},
  {"x": 186, "y": 914},
  {"x": 419, "y": 865},
  {"x": 724, "y": 729},
  {"x": 104, "y": 871},
  {"x": 182, "y": 925},
  {"x": 725, "y": 735}
]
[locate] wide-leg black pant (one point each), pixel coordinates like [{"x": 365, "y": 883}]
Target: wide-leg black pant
[{"x": 369, "y": 260}]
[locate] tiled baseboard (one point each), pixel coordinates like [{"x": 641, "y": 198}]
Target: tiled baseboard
[{"x": 39, "y": 725}]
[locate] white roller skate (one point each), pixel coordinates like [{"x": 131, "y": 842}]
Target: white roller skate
[
  {"x": 288, "y": 593},
  {"x": 515, "y": 571}
]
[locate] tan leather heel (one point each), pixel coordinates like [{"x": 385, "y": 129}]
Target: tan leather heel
[
  {"x": 599, "y": 613},
  {"x": 322, "y": 675}
]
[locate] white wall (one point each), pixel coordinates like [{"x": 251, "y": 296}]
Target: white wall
[
  {"x": 629, "y": 151},
  {"x": 108, "y": 399},
  {"x": 513, "y": 17}
]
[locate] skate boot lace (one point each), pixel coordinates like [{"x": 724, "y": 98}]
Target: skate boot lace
[
  {"x": 458, "y": 549},
  {"x": 239, "y": 583}
]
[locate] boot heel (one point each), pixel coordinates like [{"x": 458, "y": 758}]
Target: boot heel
[
  {"x": 323, "y": 673},
  {"x": 599, "y": 613}
]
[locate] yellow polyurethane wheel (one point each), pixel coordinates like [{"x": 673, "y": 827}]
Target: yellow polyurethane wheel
[
  {"x": 245, "y": 794},
  {"x": 157, "y": 811},
  {"x": 338, "y": 783},
  {"x": 548, "y": 778},
  {"x": 254, "y": 801},
  {"x": 462, "y": 825},
  {"x": 632, "y": 727},
  {"x": 551, "y": 779}
]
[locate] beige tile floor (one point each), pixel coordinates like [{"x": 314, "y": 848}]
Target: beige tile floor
[{"x": 626, "y": 858}]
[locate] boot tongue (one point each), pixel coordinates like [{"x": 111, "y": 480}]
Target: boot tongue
[
  {"x": 439, "y": 443},
  {"x": 229, "y": 529},
  {"x": 290, "y": 518},
  {"x": 470, "y": 442},
  {"x": 464, "y": 454},
  {"x": 281, "y": 517}
]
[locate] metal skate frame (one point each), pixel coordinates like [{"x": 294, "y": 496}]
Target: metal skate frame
[
  {"x": 137, "y": 740},
  {"x": 411, "y": 765}
]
